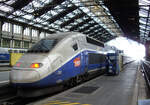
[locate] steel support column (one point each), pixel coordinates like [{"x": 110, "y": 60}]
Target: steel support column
[
  {"x": 30, "y": 34},
  {"x": 12, "y": 43},
  {"x": 22, "y": 29},
  {"x": 1, "y": 34}
]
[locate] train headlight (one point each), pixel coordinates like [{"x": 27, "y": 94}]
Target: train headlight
[{"x": 35, "y": 65}]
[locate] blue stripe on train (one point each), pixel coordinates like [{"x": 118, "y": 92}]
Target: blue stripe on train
[
  {"x": 4, "y": 57},
  {"x": 63, "y": 74}
]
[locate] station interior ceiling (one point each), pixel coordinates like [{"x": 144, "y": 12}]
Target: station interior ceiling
[{"x": 103, "y": 20}]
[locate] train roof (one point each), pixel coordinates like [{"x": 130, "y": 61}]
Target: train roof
[{"x": 61, "y": 35}]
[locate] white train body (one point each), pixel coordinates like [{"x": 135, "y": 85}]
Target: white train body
[{"x": 69, "y": 56}]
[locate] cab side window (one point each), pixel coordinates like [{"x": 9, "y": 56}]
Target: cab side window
[{"x": 75, "y": 47}]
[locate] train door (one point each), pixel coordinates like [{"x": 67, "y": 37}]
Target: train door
[
  {"x": 77, "y": 61},
  {"x": 84, "y": 56},
  {"x": 80, "y": 55},
  {"x": 84, "y": 62}
]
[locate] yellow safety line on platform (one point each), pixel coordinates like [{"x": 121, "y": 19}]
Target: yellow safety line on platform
[{"x": 57, "y": 102}]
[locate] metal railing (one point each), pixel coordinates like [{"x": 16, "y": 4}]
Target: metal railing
[{"x": 145, "y": 69}]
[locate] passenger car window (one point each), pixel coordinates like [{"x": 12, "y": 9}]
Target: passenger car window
[{"x": 75, "y": 47}]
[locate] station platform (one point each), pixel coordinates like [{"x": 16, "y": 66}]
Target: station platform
[
  {"x": 4, "y": 74},
  {"x": 124, "y": 89}
]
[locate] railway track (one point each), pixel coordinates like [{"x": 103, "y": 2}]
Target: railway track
[
  {"x": 6, "y": 92},
  {"x": 146, "y": 66},
  {"x": 9, "y": 96},
  {"x": 4, "y": 89}
]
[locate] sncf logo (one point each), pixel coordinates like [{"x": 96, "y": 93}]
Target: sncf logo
[{"x": 77, "y": 62}]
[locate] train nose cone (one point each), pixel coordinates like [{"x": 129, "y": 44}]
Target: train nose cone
[{"x": 24, "y": 76}]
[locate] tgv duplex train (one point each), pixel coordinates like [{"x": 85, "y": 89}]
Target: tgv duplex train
[{"x": 58, "y": 58}]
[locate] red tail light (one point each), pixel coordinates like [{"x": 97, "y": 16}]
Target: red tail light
[
  {"x": 35, "y": 65},
  {"x": 18, "y": 64}
]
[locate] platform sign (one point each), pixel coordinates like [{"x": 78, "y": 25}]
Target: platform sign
[{"x": 4, "y": 57}]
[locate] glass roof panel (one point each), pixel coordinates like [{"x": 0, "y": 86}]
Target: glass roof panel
[
  {"x": 86, "y": 10},
  {"x": 75, "y": 23},
  {"x": 148, "y": 29},
  {"x": 36, "y": 4},
  {"x": 64, "y": 3},
  {"x": 37, "y": 25},
  {"x": 144, "y": 7},
  {"x": 68, "y": 26},
  {"x": 63, "y": 29},
  {"x": 46, "y": 1},
  {"x": 21, "y": 20},
  {"x": 71, "y": 15},
  {"x": 142, "y": 31},
  {"x": 142, "y": 26},
  {"x": 66, "y": 18},
  {"x": 31, "y": 22},
  {"x": 143, "y": 12},
  {"x": 28, "y": 8},
  {"x": 76, "y": 11},
  {"x": 46, "y": 28},
  {"x": 2, "y": 14},
  {"x": 148, "y": 26},
  {"x": 79, "y": 20},
  {"x": 54, "y": 25},
  {"x": 141, "y": 34},
  {"x": 145, "y": 2},
  {"x": 58, "y": 8},
  {"x": 143, "y": 19},
  {"x": 10, "y": 2},
  {"x": 52, "y": 29},
  {"x": 146, "y": 32},
  {"x": 5, "y": 8},
  {"x": 58, "y": 22},
  {"x": 45, "y": 16},
  {"x": 44, "y": 23},
  {"x": 143, "y": 22},
  {"x": 28, "y": 16},
  {"x": 38, "y": 20},
  {"x": 11, "y": 16},
  {"x": 18, "y": 13},
  {"x": 85, "y": 25},
  {"x": 52, "y": 12},
  {"x": 85, "y": 17}
]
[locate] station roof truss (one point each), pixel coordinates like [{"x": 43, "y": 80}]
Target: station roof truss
[
  {"x": 144, "y": 20},
  {"x": 86, "y": 16},
  {"x": 126, "y": 14}
]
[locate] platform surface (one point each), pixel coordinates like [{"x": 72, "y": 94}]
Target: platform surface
[{"x": 103, "y": 90}]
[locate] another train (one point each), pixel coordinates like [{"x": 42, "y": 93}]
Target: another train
[
  {"x": 5, "y": 53},
  {"x": 62, "y": 58}
]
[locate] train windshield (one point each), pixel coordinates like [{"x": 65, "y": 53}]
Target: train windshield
[{"x": 44, "y": 45}]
